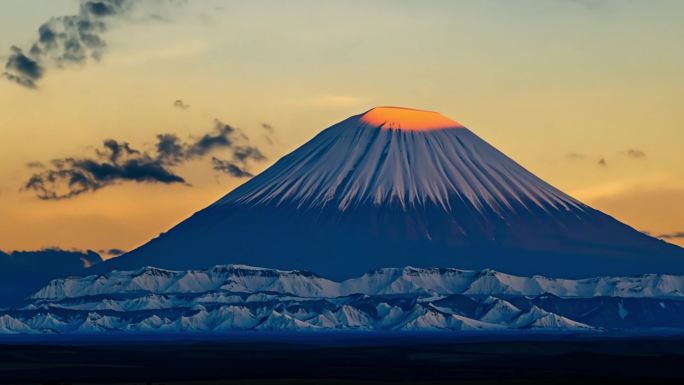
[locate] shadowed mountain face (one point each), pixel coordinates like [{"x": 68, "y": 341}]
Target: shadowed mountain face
[
  {"x": 24, "y": 272},
  {"x": 396, "y": 187}
]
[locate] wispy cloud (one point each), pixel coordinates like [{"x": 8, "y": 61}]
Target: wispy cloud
[
  {"x": 110, "y": 253},
  {"x": 180, "y": 104},
  {"x": 229, "y": 167},
  {"x": 675, "y": 235},
  {"x": 117, "y": 162},
  {"x": 68, "y": 40},
  {"x": 21, "y": 69},
  {"x": 602, "y": 161},
  {"x": 635, "y": 154},
  {"x": 578, "y": 156}
]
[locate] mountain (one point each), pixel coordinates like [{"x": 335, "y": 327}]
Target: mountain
[
  {"x": 237, "y": 297},
  {"x": 24, "y": 272},
  {"x": 394, "y": 187},
  {"x": 387, "y": 281}
]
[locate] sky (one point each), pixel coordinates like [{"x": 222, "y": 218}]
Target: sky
[{"x": 585, "y": 94}]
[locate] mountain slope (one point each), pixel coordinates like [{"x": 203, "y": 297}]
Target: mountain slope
[{"x": 397, "y": 187}]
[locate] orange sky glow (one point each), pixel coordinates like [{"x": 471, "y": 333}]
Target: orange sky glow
[{"x": 586, "y": 95}]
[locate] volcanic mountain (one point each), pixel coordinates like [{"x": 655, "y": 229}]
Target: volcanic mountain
[{"x": 395, "y": 187}]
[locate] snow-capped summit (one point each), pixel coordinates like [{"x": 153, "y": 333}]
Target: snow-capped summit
[
  {"x": 407, "y": 119},
  {"x": 400, "y": 157},
  {"x": 394, "y": 187}
]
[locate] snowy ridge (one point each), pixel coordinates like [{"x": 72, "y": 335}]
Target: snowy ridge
[
  {"x": 490, "y": 282},
  {"x": 360, "y": 161},
  {"x": 441, "y": 281},
  {"x": 237, "y": 297},
  {"x": 243, "y": 311},
  {"x": 237, "y": 278}
]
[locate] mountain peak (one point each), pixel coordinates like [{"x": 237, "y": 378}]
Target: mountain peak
[
  {"x": 407, "y": 119},
  {"x": 395, "y": 187}
]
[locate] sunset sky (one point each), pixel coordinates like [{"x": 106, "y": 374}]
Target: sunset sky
[{"x": 586, "y": 94}]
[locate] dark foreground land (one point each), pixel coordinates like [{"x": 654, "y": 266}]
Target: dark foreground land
[{"x": 346, "y": 359}]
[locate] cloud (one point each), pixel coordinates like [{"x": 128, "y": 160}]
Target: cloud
[
  {"x": 170, "y": 149},
  {"x": 104, "y": 7},
  {"x": 269, "y": 131},
  {"x": 635, "y": 154},
  {"x": 173, "y": 150},
  {"x": 267, "y": 127},
  {"x": 111, "y": 252},
  {"x": 181, "y": 104},
  {"x": 602, "y": 161},
  {"x": 21, "y": 69},
  {"x": 115, "y": 162},
  {"x": 230, "y": 168},
  {"x": 35, "y": 165},
  {"x": 243, "y": 153},
  {"x": 235, "y": 167},
  {"x": 68, "y": 40},
  {"x": 576, "y": 156},
  {"x": 222, "y": 136},
  {"x": 675, "y": 235}
]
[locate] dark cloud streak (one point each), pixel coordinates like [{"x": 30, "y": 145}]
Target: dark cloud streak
[
  {"x": 243, "y": 153},
  {"x": 223, "y": 135},
  {"x": 170, "y": 149},
  {"x": 67, "y": 40},
  {"x": 228, "y": 167},
  {"x": 21, "y": 69},
  {"x": 675, "y": 235},
  {"x": 635, "y": 154},
  {"x": 111, "y": 252},
  {"x": 116, "y": 162},
  {"x": 181, "y": 104}
]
